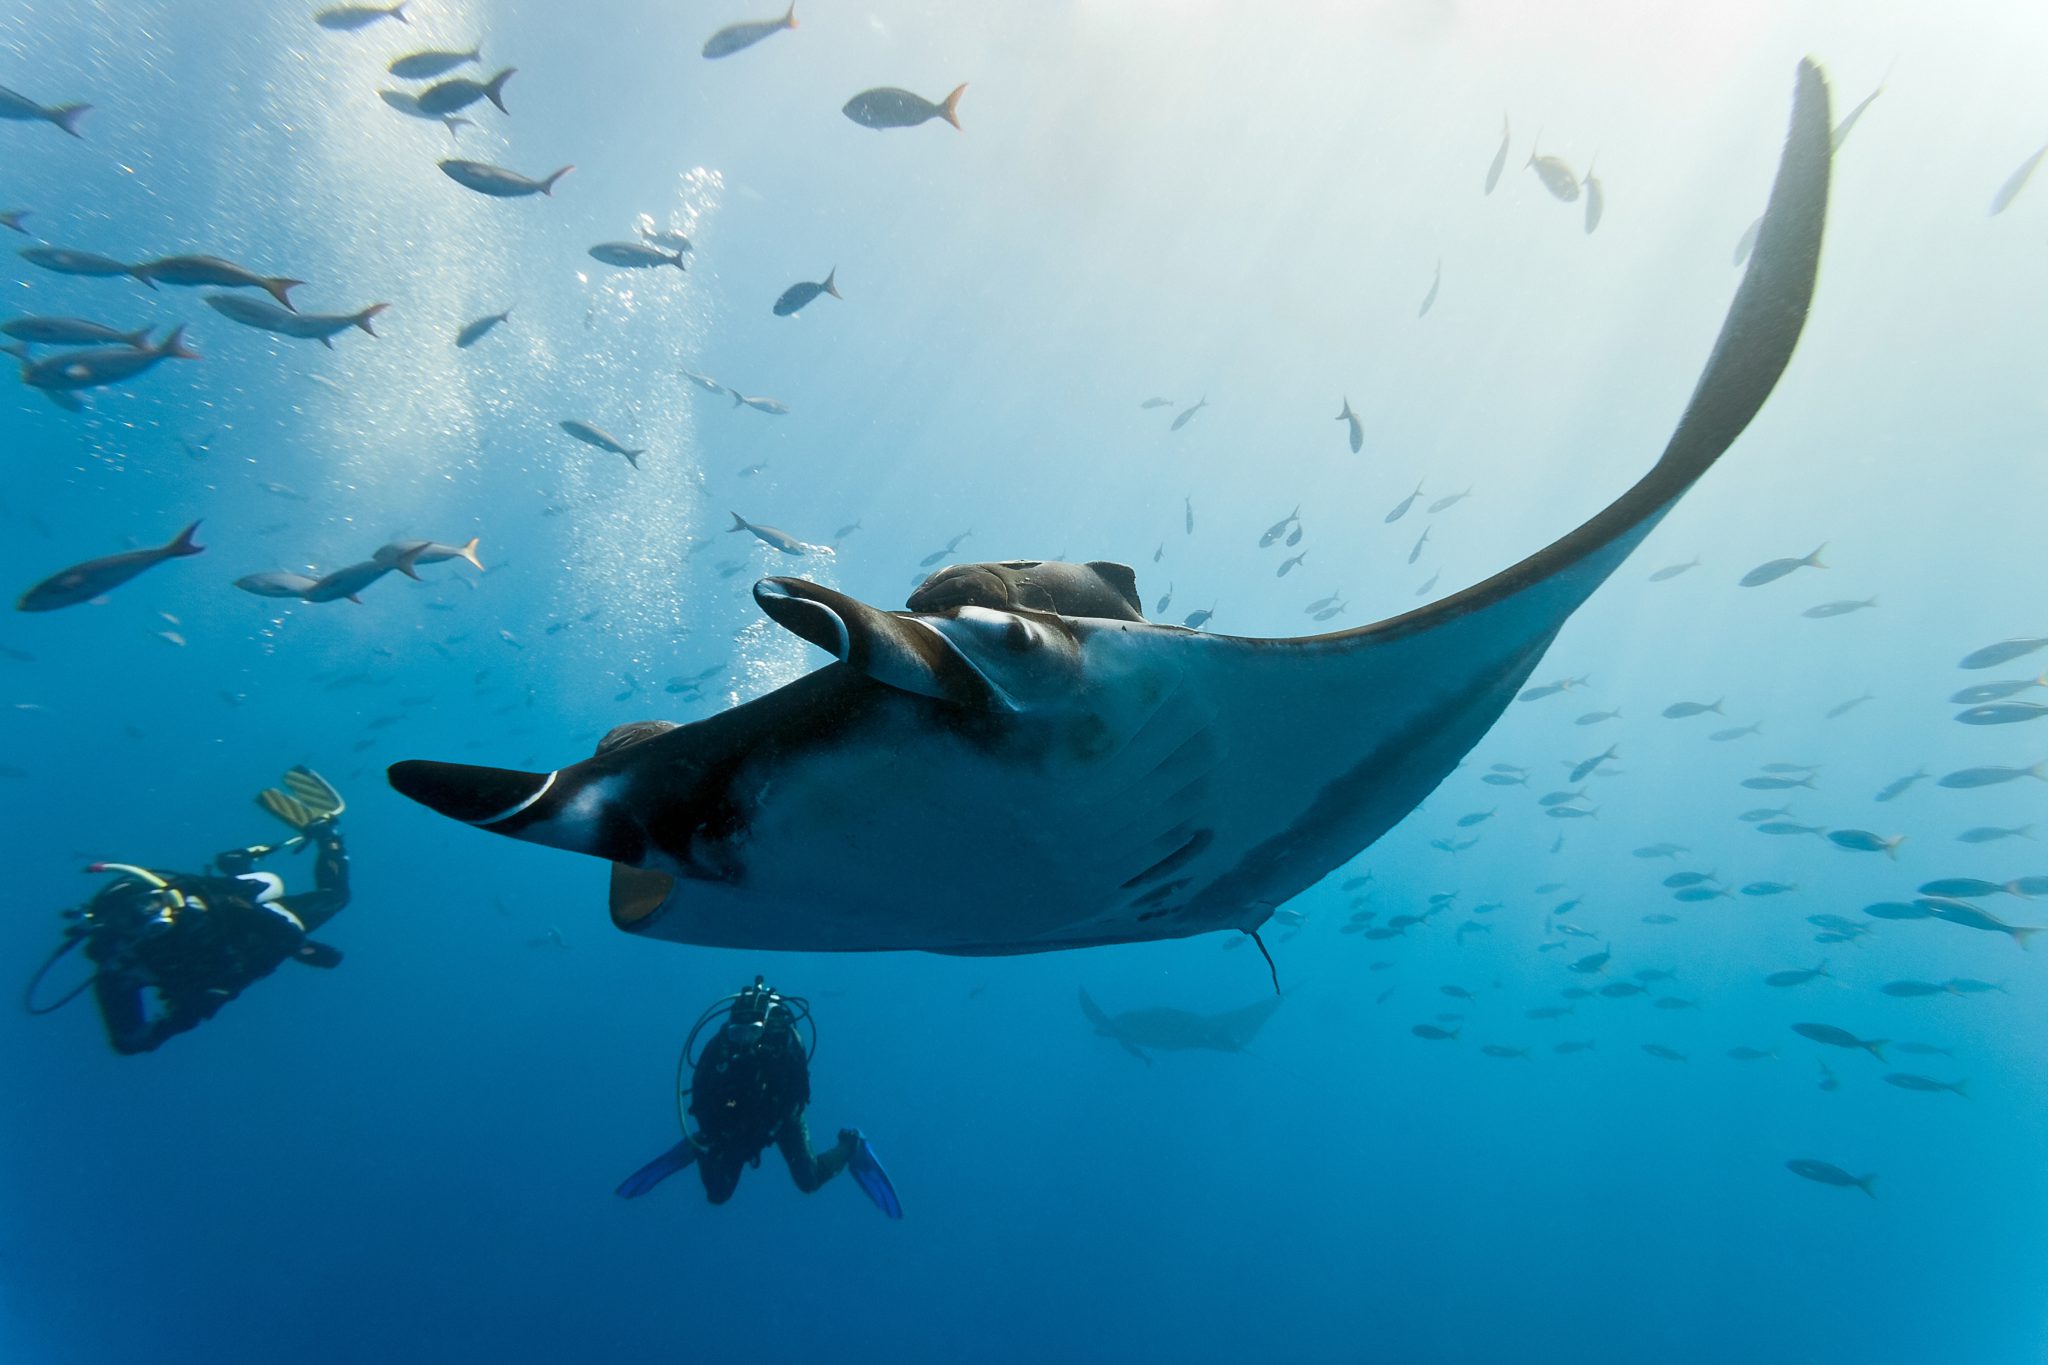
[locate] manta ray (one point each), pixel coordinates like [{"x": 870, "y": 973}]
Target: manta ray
[
  {"x": 1165, "y": 1029},
  {"x": 1020, "y": 762}
]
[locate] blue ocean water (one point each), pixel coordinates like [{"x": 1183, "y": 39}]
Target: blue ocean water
[{"x": 411, "y": 1157}]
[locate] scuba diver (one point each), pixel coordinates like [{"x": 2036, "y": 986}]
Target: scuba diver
[
  {"x": 748, "y": 1089},
  {"x": 197, "y": 940}
]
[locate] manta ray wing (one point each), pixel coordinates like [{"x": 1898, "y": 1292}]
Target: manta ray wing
[{"x": 980, "y": 781}]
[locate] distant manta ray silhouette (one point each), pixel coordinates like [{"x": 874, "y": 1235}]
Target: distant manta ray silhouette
[{"x": 1022, "y": 763}]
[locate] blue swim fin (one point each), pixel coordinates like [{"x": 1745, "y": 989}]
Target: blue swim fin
[
  {"x": 677, "y": 1158},
  {"x": 867, "y": 1172}
]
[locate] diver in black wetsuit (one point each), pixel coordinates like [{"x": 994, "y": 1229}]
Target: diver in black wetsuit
[
  {"x": 748, "y": 1090},
  {"x": 197, "y": 940}
]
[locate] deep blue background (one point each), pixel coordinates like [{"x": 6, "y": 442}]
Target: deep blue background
[{"x": 410, "y": 1158}]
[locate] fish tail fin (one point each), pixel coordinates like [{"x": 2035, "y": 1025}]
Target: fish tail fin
[
  {"x": 494, "y": 89},
  {"x": 138, "y": 339},
  {"x": 831, "y": 285},
  {"x": 1812, "y": 561},
  {"x": 362, "y": 319},
  {"x": 1962, "y": 1087},
  {"x": 174, "y": 345},
  {"x": 328, "y": 342},
  {"x": 1865, "y": 1183},
  {"x": 736, "y": 399},
  {"x": 789, "y": 19},
  {"x": 1876, "y": 1047},
  {"x": 455, "y": 126},
  {"x": 137, "y": 272},
  {"x": 739, "y": 523},
  {"x": 398, "y": 11},
  {"x": 184, "y": 544},
  {"x": 547, "y": 186},
  {"x": 950, "y": 109},
  {"x": 468, "y": 552},
  {"x": 281, "y": 289},
  {"x": 1891, "y": 847},
  {"x": 2021, "y": 933},
  {"x": 66, "y": 116},
  {"x": 633, "y": 457}
]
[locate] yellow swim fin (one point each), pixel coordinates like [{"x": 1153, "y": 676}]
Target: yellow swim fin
[{"x": 315, "y": 793}]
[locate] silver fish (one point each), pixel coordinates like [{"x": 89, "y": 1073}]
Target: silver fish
[
  {"x": 1776, "y": 569},
  {"x": 1357, "y": 428},
  {"x": 1420, "y": 541},
  {"x": 65, "y": 261},
  {"x": 1182, "y": 419},
  {"x": 1500, "y": 158},
  {"x": 2003, "y": 713},
  {"x": 268, "y": 317},
  {"x": 276, "y": 584},
  {"x": 1837, "y": 1037},
  {"x": 1671, "y": 571},
  {"x": 1556, "y": 176},
  {"x": 1448, "y": 501},
  {"x": 1681, "y": 710},
  {"x": 407, "y": 103},
  {"x": 704, "y": 381},
  {"x": 1843, "y": 608},
  {"x": 1401, "y": 508},
  {"x": 348, "y": 18},
  {"x": 1898, "y": 786},
  {"x": 96, "y": 577},
  {"x": 347, "y": 582},
  {"x": 890, "y": 107},
  {"x": 1971, "y": 696},
  {"x": 1992, "y": 775},
  {"x": 2016, "y": 182},
  {"x": 424, "y": 66},
  {"x": 635, "y": 255},
  {"x": 1984, "y": 834},
  {"x": 25, "y": 110},
  {"x": 457, "y": 94},
  {"x": 1825, "y": 1173},
  {"x": 1907, "y": 1081},
  {"x": 496, "y": 181},
  {"x": 602, "y": 439},
  {"x": 777, "y": 539},
  {"x": 71, "y": 332},
  {"x": 1436, "y": 282},
  {"x": 403, "y": 554},
  {"x": 797, "y": 295},
  {"x": 73, "y": 370},
  {"x": 2004, "y": 652},
  {"x": 201, "y": 271},
  {"x": 473, "y": 332},
  {"x": 1279, "y": 529},
  {"x": 1596, "y": 200},
  {"x": 737, "y": 37},
  {"x": 1797, "y": 977},
  {"x": 774, "y": 407}
]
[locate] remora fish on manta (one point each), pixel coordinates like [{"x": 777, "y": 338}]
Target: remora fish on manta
[{"x": 992, "y": 779}]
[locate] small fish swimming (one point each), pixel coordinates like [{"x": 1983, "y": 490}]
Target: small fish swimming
[
  {"x": 496, "y": 181},
  {"x": 1550, "y": 689},
  {"x": 1837, "y": 1037},
  {"x": 738, "y": 37},
  {"x": 1788, "y": 827},
  {"x": 1908, "y": 1081},
  {"x": 774, "y": 407},
  {"x": 424, "y": 66},
  {"x": 1557, "y": 177},
  {"x": 1585, "y": 768},
  {"x": 1165, "y": 601},
  {"x": 1828, "y": 609},
  {"x": 1420, "y": 541},
  {"x": 407, "y": 103},
  {"x": 1596, "y": 200},
  {"x": 473, "y": 332},
  {"x": 801, "y": 293},
  {"x": 1985, "y": 834},
  {"x": 1681, "y": 710},
  {"x": 1401, "y": 508},
  {"x": 1825, "y": 1173},
  {"x": 704, "y": 381},
  {"x": 1971, "y": 917},
  {"x": 1287, "y": 566},
  {"x": 1434, "y": 1034},
  {"x": 1840, "y": 709},
  {"x": 1773, "y": 570},
  {"x": 2003, "y": 713},
  {"x": 1151, "y": 403},
  {"x": 635, "y": 256},
  {"x": 1738, "y": 732},
  {"x": 1991, "y": 776},
  {"x": 202, "y": 271},
  {"x": 22, "y": 109},
  {"x": 403, "y": 554},
  {"x": 1436, "y": 282},
  {"x": 348, "y": 18},
  {"x": 39, "y": 331},
  {"x": 603, "y": 440},
  {"x": 1195, "y": 620},
  {"x": 2014, "y": 183},
  {"x": 1500, "y": 158},
  {"x": 1663, "y": 1053},
  {"x": 940, "y": 554},
  {"x": 348, "y": 583},
  {"x": 456, "y": 94},
  {"x": 1912, "y": 990},
  {"x": 1447, "y": 501},
  {"x": 279, "y": 583},
  {"x": 73, "y": 370},
  {"x": 1357, "y": 429},
  {"x": 890, "y": 107},
  {"x": 1671, "y": 571},
  {"x": 96, "y": 577},
  {"x": 1188, "y": 506},
  {"x": 1969, "y": 696},
  {"x": 1182, "y": 420},
  {"x": 1750, "y": 1054},
  {"x": 1767, "y": 888},
  {"x": 65, "y": 261},
  {"x": 777, "y": 539},
  {"x": 268, "y": 317},
  {"x": 1777, "y": 784},
  {"x": 1797, "y": 977}
]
